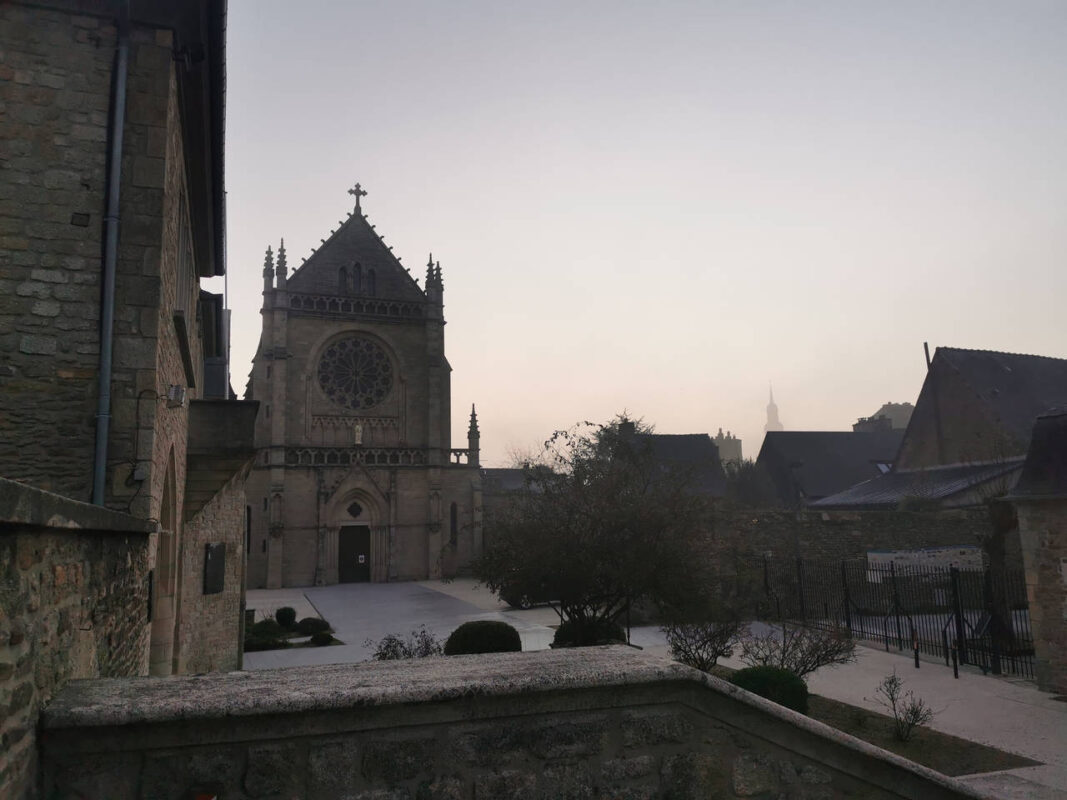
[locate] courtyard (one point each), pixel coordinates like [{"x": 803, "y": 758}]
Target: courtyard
[{"x": 1008, "y": 714}]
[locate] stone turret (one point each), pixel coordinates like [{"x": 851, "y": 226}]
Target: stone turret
[
  {"x": 268, "y": 271},
  {"x": 283, "y": 271},
  {"x": 473, "y": 440}
]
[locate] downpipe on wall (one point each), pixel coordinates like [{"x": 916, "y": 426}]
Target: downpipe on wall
[{"x": 111, "y": 248}]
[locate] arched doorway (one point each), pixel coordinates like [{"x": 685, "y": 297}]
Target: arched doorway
[{"x": 355, "y": 544}]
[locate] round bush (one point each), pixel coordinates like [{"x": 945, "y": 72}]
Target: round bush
[
  {"x": 286, "y": 617},
  {"x": 570, "y": 634},
  {"x": 778, "y": 685},
  {"x": 266, "y": 629},
  {"x": 483, "y": 636},
  {"x": 321, "y": 639},
  {"x": 311, "y": 625}
]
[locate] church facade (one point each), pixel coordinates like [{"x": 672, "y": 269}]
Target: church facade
[{"x": 355, "y": 477}]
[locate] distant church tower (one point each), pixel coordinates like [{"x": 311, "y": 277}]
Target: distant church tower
[
  {"x": 356, "y": 478},
  {"x": 773, "y": 423}
]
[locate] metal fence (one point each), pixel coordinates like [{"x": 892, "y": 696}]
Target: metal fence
[{"x": 981, "y": 614}]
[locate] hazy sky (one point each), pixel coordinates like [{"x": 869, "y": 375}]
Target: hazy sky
[{"x": 660, "y": 207}]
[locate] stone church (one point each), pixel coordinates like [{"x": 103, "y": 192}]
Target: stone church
[{"x": 355, "y": 477}]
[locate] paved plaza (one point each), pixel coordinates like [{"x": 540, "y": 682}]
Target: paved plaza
[{"x": 1009, "y": 714}]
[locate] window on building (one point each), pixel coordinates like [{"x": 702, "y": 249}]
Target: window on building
[
  {"x": 357, "y": 278},
  {"x": 372, "y": 283},
  {"x": 342, "y": 281}
]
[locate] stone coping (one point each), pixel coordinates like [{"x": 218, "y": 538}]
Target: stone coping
[
  {"x": 88, "y": 704},
  {"x": 29, "y": 506}
]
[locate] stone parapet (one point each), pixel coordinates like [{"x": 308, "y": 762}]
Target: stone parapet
[{"x": 595, "y": 722}]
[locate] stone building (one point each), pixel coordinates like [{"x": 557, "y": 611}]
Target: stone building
[
  {"x": 113, "y": 386},
  {"x": 968, "y": 435},
  {"x": 355, "y": 477},
  {"x": 729, "y": 447}
]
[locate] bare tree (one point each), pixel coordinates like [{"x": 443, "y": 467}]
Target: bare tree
[
  {"x": 798, "y": 649},
  {"x": 702, "y": 644}
]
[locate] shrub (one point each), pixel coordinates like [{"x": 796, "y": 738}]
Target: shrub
[
  {"x": 909, "y": 712},
  {"x": 798, "y": 650},
  {"x": 266, "y": 629},
  {"x": 778, "y": 685},
  {"x": 310, "y": 625},
  {"x": 573, "y": 633},
  {"x": 286, "y": 617},
  {"x": 418, "y": 644},
  {"x": 483, "y": 636},
  {"x": 701, "y": 644},
  {"x": 321, "y": 639},
  {"x": 254, "y": 643}
]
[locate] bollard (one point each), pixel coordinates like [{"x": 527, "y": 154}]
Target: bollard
[{"x": 955, "y": 660}]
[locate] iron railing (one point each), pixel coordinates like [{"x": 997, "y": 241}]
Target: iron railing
[{"x": 982, "y": 613}]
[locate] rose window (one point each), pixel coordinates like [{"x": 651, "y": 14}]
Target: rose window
[{"x": 355, "y": 373}]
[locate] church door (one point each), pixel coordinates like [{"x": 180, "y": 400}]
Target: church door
[{"x": 353, "y": 554}]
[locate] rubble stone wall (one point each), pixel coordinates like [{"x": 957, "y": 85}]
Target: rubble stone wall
[
  {"x": 592, "y": 723},
  {"x": 1043, "y": 529},
  {"x": 73, "y": 604}
]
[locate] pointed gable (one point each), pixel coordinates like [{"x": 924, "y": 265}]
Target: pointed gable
[{"x": 355, "y": 256}]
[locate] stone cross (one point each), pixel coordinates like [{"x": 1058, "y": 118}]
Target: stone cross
[{"x": 359, "y": 192}]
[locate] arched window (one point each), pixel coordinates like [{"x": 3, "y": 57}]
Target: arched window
[
  {"x": 342, "y": 280},
  {"x": 372, "y": 283},
  {"x": 357, "y": 278},
  {"x": 453, "y": 525}
]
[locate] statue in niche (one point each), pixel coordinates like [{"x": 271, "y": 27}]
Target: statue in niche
[{"x": 357, "y": 433}]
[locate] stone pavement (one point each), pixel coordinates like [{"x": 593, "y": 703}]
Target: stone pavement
[{"x": 1009, "y": 714}]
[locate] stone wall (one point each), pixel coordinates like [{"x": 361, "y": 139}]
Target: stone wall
[
  {"x": 73, "y": 604},
  {"x": 55, "y": 87},
  {"x": 1043, "y": 529},
  {"x": 837, "y": 535},
  {"x": 208, "y": 633},
  {"x": 590, "y": 723}
]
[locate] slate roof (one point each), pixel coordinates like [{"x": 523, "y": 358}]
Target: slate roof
[
  {"x": 355, "y": 241},
  {"x": 1045, "y": 470},
  {"x": 935, "y": 483},
  {"x": 1016, "y": 387},
  {"x": 695, "y": 451},
  {"x": 822, "y": 463}
]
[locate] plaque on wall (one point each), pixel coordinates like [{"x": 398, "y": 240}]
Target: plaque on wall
[{"x": 214, "y": 567}]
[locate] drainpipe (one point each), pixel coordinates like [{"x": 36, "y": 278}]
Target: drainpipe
[{"x": 111, "y": 248}]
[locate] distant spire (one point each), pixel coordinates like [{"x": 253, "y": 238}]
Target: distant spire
[
  {"x": 268, "y": 263},
  {"x": 473, "y": 429},
  {"x": 773, "y": 423},
  {"x": 437, "y": 276},
  {"x": 429, "y": 271},
  {"x": 359, "y": 192},
  {"x": 282, "y": 266}
]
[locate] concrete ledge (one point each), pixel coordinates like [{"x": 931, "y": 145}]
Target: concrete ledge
[
  {"x": 28, "y": 506},
  {"x": 91, "y": 718}
]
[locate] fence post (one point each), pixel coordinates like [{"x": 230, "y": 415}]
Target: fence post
[
  {"x": 896, "y": 604},
  {"x": 994, "y": 622},
  {"x": 957, "y": 612},
  {"x": 800, "y": 589},
  {"x": 848, "y": 599}
]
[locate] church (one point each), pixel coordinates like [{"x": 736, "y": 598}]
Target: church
[{"x": 355, "y": 476}]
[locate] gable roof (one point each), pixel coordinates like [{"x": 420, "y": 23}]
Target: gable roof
[
  {"x": 934, "y": 484},
  {"x": 1044, "y": 473},
  {"x": 821, "y": 463},
  {"x": 355, "y": 242},
  {"x": 1017, "y": 388},
  {"x": 691, "y": 451}
]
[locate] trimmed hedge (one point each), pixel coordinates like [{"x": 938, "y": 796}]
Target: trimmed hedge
[
  {"x": 312, "y": 625},
  {"x": 255, "y": 643},
  {"x": 286, "y": 617},
  {"x": 483, "y": 636},
  {"x": 570, "y": 634},
  {"x": 266, "y": 629},
  {"x": 777, "y": 685},
  {"x": 321, "y": 639}
]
